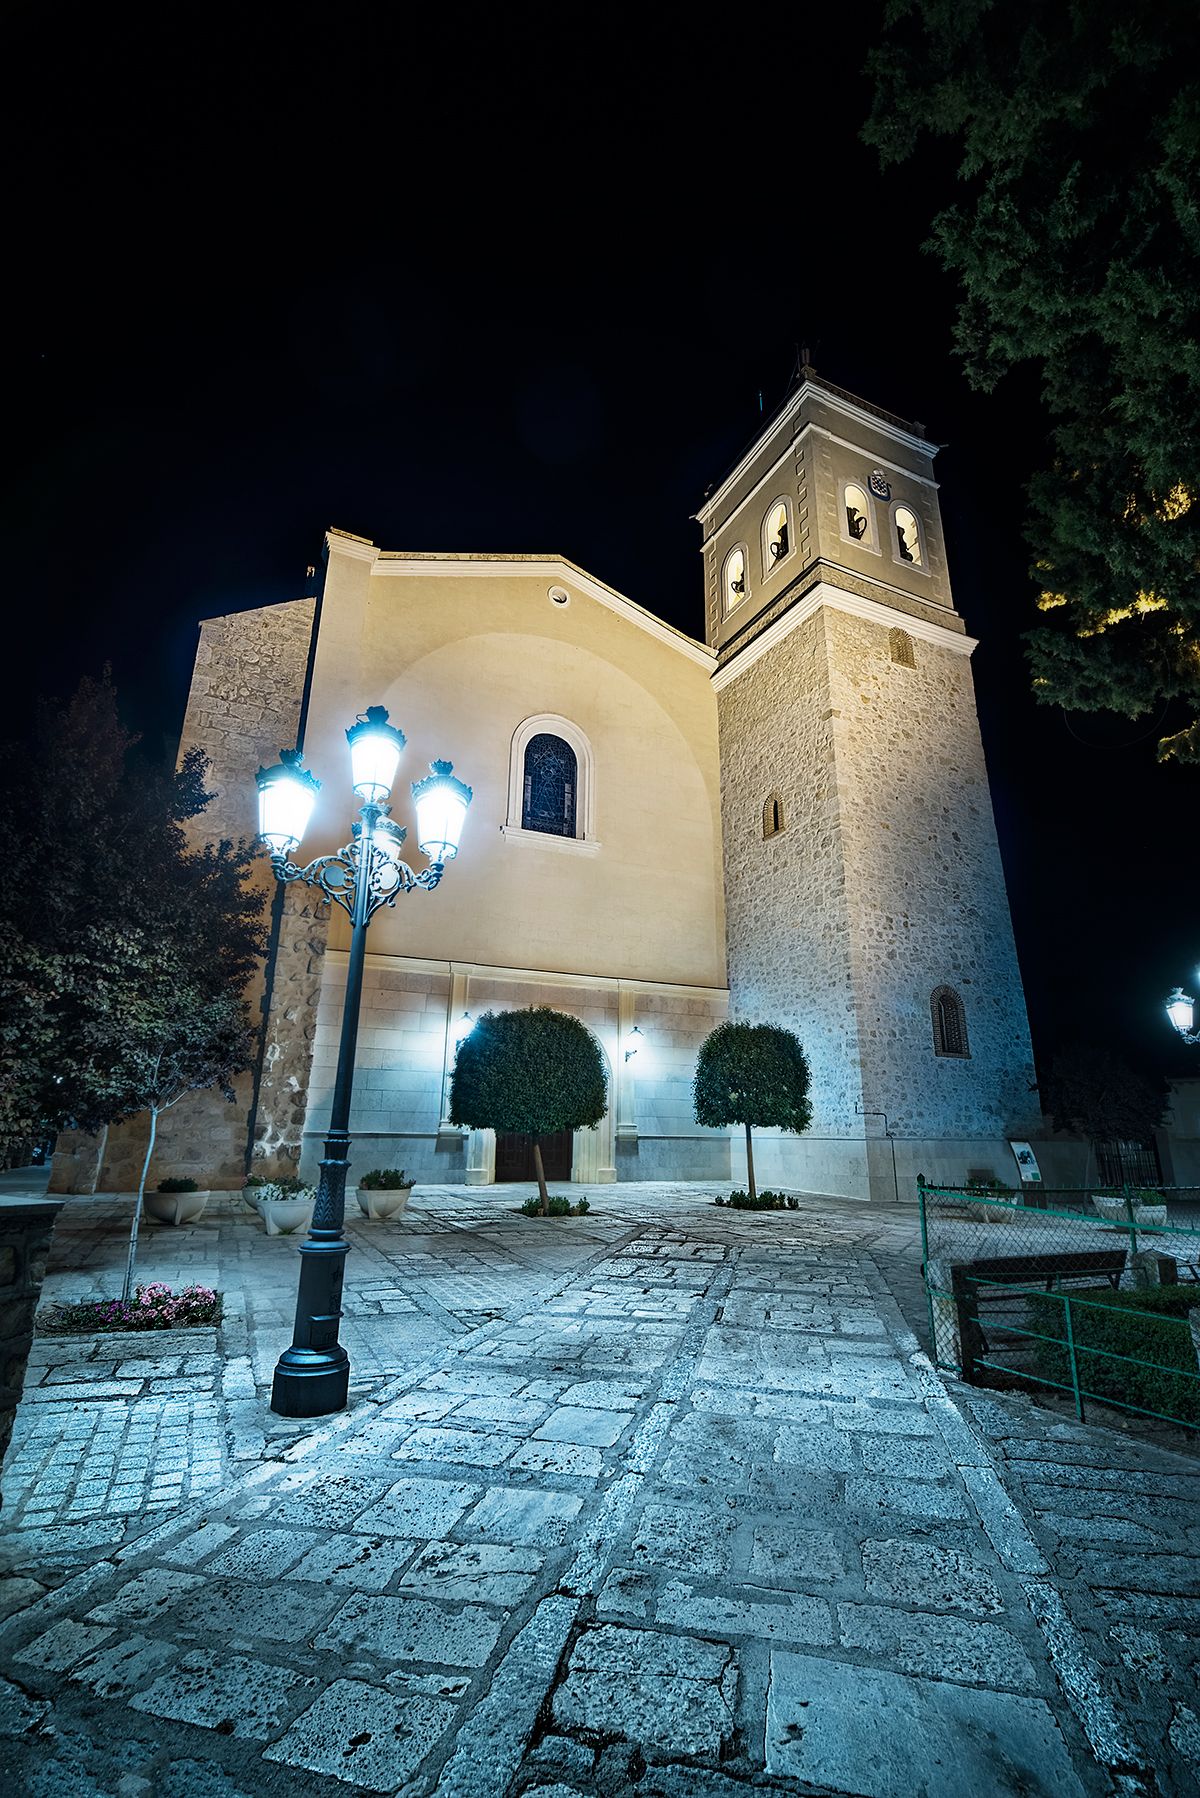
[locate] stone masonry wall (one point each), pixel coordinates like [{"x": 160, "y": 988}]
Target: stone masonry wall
[
  {"x": 410, "y": 1014},
  {"x": 26, "y": 1227},
  {"x": 928, "y": 905},
  {"x": 787, "y": 908},
  {"x": 291, "y": 1033},
  {"x": 243, "y": 707}
]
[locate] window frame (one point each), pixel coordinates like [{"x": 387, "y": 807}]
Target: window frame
[
  {"x": 921, "y": 567},
  {"x": 871, "y": 547},
  {"x": 936, "y": 998},
  {"x": 769, "y": 566},
  {"x": 554, "y": 725},
  {"x": 773, "y": 799},
  {"x": 728, "y": 610},
  {"x": 896, "y": 635}
]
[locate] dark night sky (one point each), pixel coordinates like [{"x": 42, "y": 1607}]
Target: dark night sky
[{"x": 517, "y": 291}]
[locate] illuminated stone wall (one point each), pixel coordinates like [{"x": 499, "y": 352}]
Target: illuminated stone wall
[
  {"x": 885, "y": 884},
  {"x": 243, "y": 707},
  {"x": 412, "y": 1015}
]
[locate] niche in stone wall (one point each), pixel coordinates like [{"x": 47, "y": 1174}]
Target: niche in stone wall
[
  {"x": 901, "y": 646},
  {"x": 949, "y": 1022}
]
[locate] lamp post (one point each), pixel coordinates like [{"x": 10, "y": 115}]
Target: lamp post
[
  {"x": 312, "y": 1377},
  {"x": 1181, "y": 1010}
]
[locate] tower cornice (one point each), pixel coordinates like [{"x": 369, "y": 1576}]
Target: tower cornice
[
  {"x": 838, "y": 599},
  {"x": 859, "y": 412}
]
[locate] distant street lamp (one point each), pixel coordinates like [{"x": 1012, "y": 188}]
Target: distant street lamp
[
  {"x": 1181, "y": 1009},
  {"x": 312, "y": 1377}
]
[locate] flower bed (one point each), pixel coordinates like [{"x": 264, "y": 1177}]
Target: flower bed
[
  {"x": 763, "y": 1201},
  {"x": 153, "y": 1307},
  {"x": 556, "y": 1207}
]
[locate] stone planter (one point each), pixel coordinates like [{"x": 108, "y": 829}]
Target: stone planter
[
  {"x": 284, "y": 1216},
  {"x": 379, "y": 1203},
  {"x": 1114, "y": 1211},
  {"x": 175, "y": 1207}
]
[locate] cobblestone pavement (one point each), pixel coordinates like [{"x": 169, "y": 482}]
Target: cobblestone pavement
[{"x": 671, "y": 1505}]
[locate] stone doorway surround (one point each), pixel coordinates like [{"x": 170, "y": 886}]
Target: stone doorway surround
[{"x": 514, "y": 1157}]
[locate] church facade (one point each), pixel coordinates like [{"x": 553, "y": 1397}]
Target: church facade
[{"x": 789, "y": 822}]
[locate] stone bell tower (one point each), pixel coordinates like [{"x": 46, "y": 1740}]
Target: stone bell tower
[{"x": 865, "y": 899}]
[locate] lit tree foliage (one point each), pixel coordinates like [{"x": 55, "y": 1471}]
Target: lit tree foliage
[
  {"x": 1077, "y": 243},
  {"x": 752, "y": 1074},
  {"x": 530, "y": 1072},
  {"x": 124, "y": 954}
]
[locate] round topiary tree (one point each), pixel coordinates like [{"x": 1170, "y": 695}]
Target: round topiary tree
[
  {"x": 752, "y": 1074},
  {"x": 531, "y": 1072}
]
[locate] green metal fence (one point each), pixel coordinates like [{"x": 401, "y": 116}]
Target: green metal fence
[{"x": 1094, "y": 1293}]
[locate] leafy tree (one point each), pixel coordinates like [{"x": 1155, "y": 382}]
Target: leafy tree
[
  {"x": 531, "y": 1072},
  {"x": 1096, "y": 1094},
  {"x": 1077, "y": 243},
  {"x": 752, "y": 1074},
  {"x": 180, "y": 1036},
  {"x": 124, "y": 951}
]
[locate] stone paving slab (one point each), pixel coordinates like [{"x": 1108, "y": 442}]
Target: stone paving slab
[{"x": 744, "y": 1557}]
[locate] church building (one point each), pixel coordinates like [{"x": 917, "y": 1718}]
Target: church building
[{"x": 789, "y": 823}]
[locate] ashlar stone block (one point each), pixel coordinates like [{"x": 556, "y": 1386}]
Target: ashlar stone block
[
  {"x": 357, "y": 1733},
  {"x": 882, "y": 1735},
  {"x": 670, "y": 1693}
]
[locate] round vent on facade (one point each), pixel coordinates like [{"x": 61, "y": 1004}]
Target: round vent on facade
[{"x": 559, "y": 596}]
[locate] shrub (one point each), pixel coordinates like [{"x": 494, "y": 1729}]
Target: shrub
[
  {"x": 286, "y": 1187},
  {"x": 178, "y": 1183},
  {"x": 555, "y": 1207},
  {"x": 1149, "y": 1324},
  {"x": 759, "y": 1201},
  {"x": 385, "y": 1179},
  {"x": 153, "y": 1307}
]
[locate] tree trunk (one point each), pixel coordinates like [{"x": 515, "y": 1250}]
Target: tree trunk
[
  {"x": 751, "y": 1188},
  {"x": 131, "y": 1258},
  {"x": 540, "y": 1171}
]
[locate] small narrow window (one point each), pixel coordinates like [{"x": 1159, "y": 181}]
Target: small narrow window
[
  {"x": 735, "y": 578},
  {"x": 908, "y": 537},
  {"x": 902, "y": 648},
  {"x": 773, "y": 818},
  {"x": 777, "y": 535},
  {"x": 949, "y": 1022}
]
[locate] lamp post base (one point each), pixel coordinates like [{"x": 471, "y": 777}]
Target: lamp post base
[
  {"x": 310, "y": 1382},
  {"x": 312, "y": 1377}
]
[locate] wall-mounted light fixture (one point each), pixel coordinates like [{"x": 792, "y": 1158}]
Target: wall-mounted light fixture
[{"x": 629, "y": 1053}]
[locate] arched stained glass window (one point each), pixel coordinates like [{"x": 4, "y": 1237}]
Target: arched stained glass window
[{"x": 551, "y": 788}]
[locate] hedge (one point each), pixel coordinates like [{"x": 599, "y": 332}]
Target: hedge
[{"x": 1147, "y": 1324}]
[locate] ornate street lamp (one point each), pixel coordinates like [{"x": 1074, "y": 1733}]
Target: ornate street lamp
[
  {"x": 312, "y": 1377},
  {"x": 1181, "y": 1010}
]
